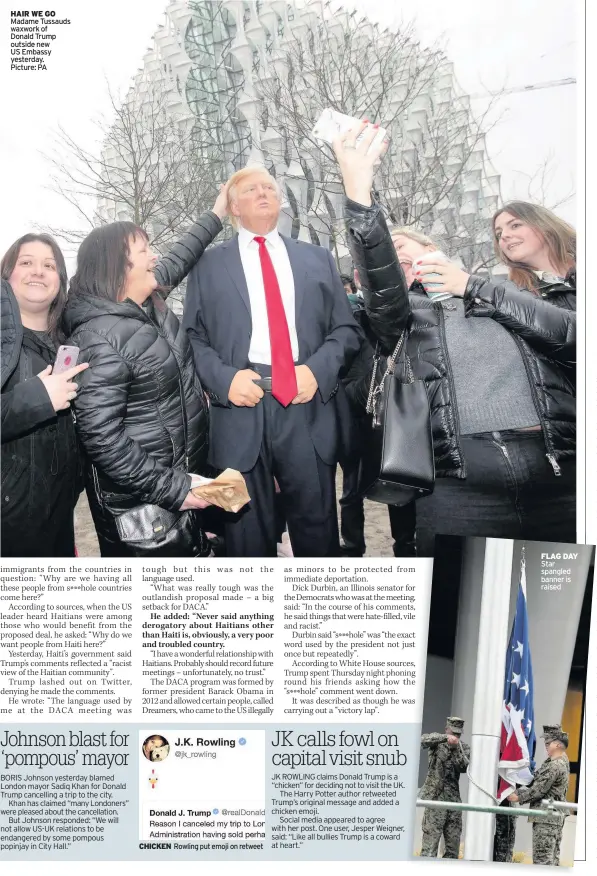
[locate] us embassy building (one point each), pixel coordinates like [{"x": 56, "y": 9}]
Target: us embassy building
[{"x": 248, "y": 80}]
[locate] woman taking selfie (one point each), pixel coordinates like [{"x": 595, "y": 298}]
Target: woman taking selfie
[
  {"x": 498, "y": 360},
  {"x": 141, "y": 414},
  {"x": 41, "y": 473}
]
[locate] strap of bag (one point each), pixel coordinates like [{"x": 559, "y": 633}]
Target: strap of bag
[
  {"x": 375, "y": 391},
  {"x": 96, "y": 486}
]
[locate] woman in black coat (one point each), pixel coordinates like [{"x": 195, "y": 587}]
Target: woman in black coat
[
  {"x": 498, "y": 361},
  {"x": 141, "y": 414},
  {"x": 41, "y": 474}
]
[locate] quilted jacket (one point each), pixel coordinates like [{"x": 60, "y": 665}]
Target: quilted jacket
[
  {"x": 543, "y": 326},
  {"x": 40, "y": 466},
  {"x": 140, "y": 410}
]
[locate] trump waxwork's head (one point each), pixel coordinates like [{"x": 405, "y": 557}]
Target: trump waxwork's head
[{"x": 254, "y": 199}]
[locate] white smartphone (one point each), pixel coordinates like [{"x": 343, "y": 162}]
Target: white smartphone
[
  {"x": 330, "y": 124},
  {"x": 66, "y": 358}
]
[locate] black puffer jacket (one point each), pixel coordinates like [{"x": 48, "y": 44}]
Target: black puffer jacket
[
  {"x": 141, "y": 414},
  {"x": 41, "y": 475},
  {"x": 543, "y": 326}
]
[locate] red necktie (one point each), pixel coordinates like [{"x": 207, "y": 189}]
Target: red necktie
[{"x": 284, "y": 386}]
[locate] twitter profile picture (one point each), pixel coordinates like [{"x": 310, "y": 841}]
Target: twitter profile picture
[{"x": 156, "y": 748}]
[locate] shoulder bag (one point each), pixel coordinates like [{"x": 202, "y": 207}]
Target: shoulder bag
[
  {"x": 398, "y": 464},
  {"x": 151, "y": 530}
]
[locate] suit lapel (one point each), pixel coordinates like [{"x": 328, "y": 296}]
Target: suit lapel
[
  {"x": 299, "y": 274},
  {"x": 234, "y": 266}
]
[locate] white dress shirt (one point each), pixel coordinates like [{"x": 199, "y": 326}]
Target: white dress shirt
[{"x": 260, "y": 349}]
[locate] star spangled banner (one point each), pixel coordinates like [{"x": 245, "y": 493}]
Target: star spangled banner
[{"x": 518, "y": 740}]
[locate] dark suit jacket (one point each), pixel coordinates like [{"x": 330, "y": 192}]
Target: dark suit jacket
[{"x": 217, "y": 318}]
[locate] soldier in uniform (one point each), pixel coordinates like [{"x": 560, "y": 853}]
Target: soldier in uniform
[
  {"x": 448, "y": 758},
  {"x": 505, "y": 835},
  {"x": 551, "y": 782}
]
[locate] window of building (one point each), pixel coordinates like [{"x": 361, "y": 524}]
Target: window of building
[
  {"x": 209, "y": 31},
  {"x": 310, "y": 182},
  {"x": 287, "y": 147},
  {"x": 314, "y": 236},
  {"x": 329, "y": 207},
  {"x": 264, "y": 117},
  {"x": 234, "y": 73},
  {"x": 296, "y": 222}
]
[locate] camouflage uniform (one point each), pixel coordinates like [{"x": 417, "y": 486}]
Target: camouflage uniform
[
  {"x": 505, "y": 836},
  {"x": 551, "y": 782},
  {"x": 446, "y": 763}
]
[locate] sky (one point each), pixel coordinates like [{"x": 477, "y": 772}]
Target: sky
[{"x": 493, "y": 46}]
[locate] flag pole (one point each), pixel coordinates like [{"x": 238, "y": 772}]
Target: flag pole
[{"x": 488, "y": 697}]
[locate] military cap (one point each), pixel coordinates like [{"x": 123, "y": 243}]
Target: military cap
[
  {"x": 455, "y": 725},
  {"x": 554, "y": 733}
]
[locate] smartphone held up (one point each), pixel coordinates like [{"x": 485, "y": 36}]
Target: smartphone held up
[{"x": 331, "y": 124}]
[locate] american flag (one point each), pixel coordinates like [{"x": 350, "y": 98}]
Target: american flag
[{"x": 517, "y": 746}]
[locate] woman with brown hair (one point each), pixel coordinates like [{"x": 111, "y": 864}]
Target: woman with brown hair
[
  {"x": 538, "y": 247},
  {"x": 41, "y": 477},
  {"x": 498, "y": 361}
]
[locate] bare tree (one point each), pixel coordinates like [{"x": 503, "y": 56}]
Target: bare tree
[
  {"x": 540, "y": 183},
  {"x": 434, "y": 174},
  {"x": 147, "y": 169}
]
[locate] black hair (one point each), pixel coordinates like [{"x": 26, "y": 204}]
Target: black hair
[
  {"x": 103, "y": 260},
  {"x": 349, "y": 281}
]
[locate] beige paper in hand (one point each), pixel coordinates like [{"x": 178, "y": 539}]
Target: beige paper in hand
[{"x": 228, "y": 491}]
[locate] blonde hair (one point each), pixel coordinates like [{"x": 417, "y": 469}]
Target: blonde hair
[
  {"x": 238, "y": 177},
  {"x": 412, "y": 234}
]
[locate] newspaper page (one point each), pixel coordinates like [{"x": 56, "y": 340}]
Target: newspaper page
[{"x": 297, "y": 543}]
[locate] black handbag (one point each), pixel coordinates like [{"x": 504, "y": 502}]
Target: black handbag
[
  {"x": 398, "y": 464},
  {"x": 151, "y": 530}
]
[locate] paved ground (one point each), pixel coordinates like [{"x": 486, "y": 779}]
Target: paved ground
[{"x": 377, "y": 529}]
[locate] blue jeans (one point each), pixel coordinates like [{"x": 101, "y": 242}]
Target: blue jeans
[{"x": 510, "y": 491}]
